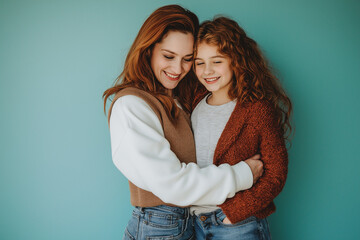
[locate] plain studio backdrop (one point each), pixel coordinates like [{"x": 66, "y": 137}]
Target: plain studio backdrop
[{"x": 57, "y": 179}]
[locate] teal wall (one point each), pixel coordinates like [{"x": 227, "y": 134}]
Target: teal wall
[{"x": 57, "y": 179}]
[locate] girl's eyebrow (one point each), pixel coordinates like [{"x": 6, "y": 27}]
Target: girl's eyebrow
[
  {"x": 188, "y": 55},
  {"x": 217, "y": 56}
]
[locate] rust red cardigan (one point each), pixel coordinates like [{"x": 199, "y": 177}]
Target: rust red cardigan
[{"x": 252, "y": 129}]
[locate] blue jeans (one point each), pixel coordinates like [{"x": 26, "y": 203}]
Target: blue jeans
[
  {"x": 160, "y": 223},
  {"x": 211, "y": 226}
]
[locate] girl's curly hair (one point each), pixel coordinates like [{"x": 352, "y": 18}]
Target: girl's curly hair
[{"x": 252, "y": 76}]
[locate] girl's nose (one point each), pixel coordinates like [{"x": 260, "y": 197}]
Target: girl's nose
[{"x": 208, "y": 69}]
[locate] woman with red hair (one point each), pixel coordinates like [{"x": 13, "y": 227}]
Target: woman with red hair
[
  {"x": 243, "y": 112},
  {"x": 151, "y": 138}
]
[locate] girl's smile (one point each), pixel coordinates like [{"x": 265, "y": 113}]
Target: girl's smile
[{"x": 211, "y": 80}]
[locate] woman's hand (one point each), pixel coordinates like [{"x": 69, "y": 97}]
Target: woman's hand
[{"x": 256, "y": 166}]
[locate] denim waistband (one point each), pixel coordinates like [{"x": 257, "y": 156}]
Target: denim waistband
[
  {"x": 217, "y": 213},
  {"x": 182, "y": 212},
  {"x": 210, "y": 217}
]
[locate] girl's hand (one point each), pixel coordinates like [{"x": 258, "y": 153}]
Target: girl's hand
[
  {"x": 226, "y": 221},
  {"x": 256, "y": 166}
]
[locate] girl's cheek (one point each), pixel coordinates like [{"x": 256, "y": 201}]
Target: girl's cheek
[{"x": 197, "y": 72}]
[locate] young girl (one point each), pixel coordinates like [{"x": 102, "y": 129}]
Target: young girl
[
  {"x": 151, "y": 139},
  {"x": 246, "y": 112}
]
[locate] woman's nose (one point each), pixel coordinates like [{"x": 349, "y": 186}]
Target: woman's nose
[{"x": 177, "y": 67}]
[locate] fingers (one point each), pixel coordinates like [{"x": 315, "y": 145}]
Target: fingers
[
  {"x": 261, "y": 166},
  {"x": 256, "y": 157},
  {"x": 226, "y": 221},
  {"x": 257, "y": 169}
]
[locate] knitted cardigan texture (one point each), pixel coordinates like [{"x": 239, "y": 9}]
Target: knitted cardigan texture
[{"x": 252, "y": 129}]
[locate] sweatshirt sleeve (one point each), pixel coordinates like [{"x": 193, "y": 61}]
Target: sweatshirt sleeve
[
  {"x": 142, "y": 153},
  {"x": 274, "y": 156}
]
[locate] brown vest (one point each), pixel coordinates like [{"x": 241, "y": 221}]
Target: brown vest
[{"x": 180, "y": 137}]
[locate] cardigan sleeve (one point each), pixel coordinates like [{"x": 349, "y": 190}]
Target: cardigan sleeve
[
  {"x": 142, "y": 153},
  {"x": 274, "y": 156}
]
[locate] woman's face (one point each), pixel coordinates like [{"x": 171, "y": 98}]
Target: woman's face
[{"x": 172, "y": 58}]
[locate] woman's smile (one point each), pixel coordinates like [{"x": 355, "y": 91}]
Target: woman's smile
[{"x": 173, "y": 77}]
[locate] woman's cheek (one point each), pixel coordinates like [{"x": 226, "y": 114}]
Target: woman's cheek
[{"x": 187, "y": 67}]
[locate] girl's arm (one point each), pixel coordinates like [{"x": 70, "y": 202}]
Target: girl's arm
[
  {"x": 142, "y": 153},
  {"x": 274, "y": 156}
]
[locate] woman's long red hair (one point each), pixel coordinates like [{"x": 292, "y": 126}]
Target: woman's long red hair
[
  {"x": 137, "y": 70},
  {"x": 253, "y": 79}
]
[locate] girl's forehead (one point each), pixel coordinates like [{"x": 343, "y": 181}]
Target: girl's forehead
[{"x": 207, "y": 49}]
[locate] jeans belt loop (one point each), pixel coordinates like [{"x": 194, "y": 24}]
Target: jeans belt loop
[{"x": 213, "y": 218}]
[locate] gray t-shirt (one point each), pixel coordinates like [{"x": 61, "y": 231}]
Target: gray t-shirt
[{"x": 208, "y": 122}]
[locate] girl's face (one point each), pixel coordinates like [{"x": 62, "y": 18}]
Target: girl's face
[
  {"x": 213, "y": 69},
  {"x": 172, "y": 58}
]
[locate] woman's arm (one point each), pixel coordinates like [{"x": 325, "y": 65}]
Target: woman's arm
[
  {"x": 142, "y": 153},
  {"x": 274, "y": 156}
]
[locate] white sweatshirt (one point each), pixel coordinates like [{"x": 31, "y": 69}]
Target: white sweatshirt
[{"x": 142, "y": 153}]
